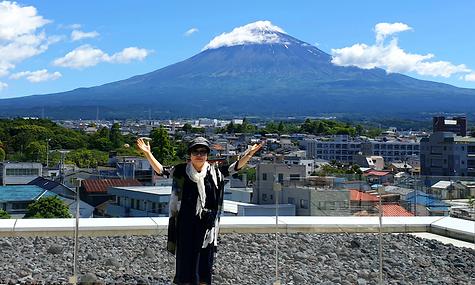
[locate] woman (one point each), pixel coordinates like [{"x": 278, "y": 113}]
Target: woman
[{"x": 195, "y": 206}]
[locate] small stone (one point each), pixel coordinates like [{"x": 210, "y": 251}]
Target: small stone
[
  {"x": 361, "y": 281},
  {"x": 55, "y": 249},
  {"x": 355, "y": 243}
]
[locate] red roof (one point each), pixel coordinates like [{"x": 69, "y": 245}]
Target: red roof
[
  {"x": 356, "y": 195},
  {"x": 394, "y": 210},
  {"x": 101, "y": 185},
  {"x": 375, "y": 173}
]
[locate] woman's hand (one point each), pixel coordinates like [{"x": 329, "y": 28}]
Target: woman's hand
[
  {"x": 143, "y": 146},
  {"x": 248, "y": 154},
  {"x": 255, "y": 148}
]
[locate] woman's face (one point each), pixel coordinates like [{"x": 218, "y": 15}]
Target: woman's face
[{"x": 199, "y": 156}]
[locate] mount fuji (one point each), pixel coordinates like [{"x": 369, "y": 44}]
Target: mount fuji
[{"x": 256, "y": 69}]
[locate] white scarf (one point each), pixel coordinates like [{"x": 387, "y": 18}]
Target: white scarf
[{"x": 199, "y": 179}]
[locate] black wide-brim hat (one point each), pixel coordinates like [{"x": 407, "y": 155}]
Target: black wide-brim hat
[{"x": 198, "y": 141}]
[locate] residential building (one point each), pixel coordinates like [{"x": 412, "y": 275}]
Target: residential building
[
  {"x": 391, "y": 151},
  {"x": 94, "y": 191},
  {"x": 375, "y": 162},
  {"x": 16, "y": 198},
  {"x": 446, "y": 154},
  {"x": 54, "y": 187},
  {"x": 295, "y": 160},
  {"x": 269, "y": 173},
  {"x": 340, "y": 148},
  {"x": 425, "y": 204},
  {"x": 19, "y": 173},
  {"x": 138, "y": 201},
  {"x": 312, "y": 201}
]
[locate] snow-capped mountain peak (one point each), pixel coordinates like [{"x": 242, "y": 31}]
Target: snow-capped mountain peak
[{"x": 260, "y": 32}]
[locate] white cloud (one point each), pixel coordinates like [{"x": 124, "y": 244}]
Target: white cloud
[
  {"x": 254, "y": 33},
  {"x": 87, "y": 56},
  {"x": 129, "y": 54},
  {"x": 18, "y": 20},
  {"x": 391, "y": 57},
  {"x": 469, "y": 77},
  {"x": 383, "y": 30},
  {"x": 191, "y": 31},
  {"x": 3, "y": 85},
  {"x": 81, "y": 57},
  {"x": 19, "y": 39},
  {"x": 37, "y": 76},
  {"x": 74, "y": 26},
  {"x": 77, "y": 35}
]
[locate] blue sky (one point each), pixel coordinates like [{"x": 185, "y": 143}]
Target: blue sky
[{"x": 54, "y": 46}]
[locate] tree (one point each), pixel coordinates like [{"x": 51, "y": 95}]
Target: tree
[
  {"x": 116, "y": 136},
  {"x": 187, "y": 128},
  {"x": 36, "y": 151},
  {"x": 86, "y": 158},
  {"x": 46, "y": 208},
  {"x": 4, "y": 214},
  {"x": 2, "y": 154},
  {"x": 161, "y": 146}
]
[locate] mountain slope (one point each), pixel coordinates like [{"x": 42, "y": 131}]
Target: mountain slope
[{"x": 265, "y": 71}]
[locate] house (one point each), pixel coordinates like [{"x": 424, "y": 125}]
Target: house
[
  {"x": 374, "y": 162},
  {"x": 19, "y": 173},
  {"x": 396, "y": 167},
  {"x": 94, "y": 192},
  {"x": 450, "y": 190},
  {"x": 378, "y": 177},
  {"x": 138, "y": 201},
  {"x": 429, "y": 204},
  {"x": 393, "y": 210},
  {"x": 362, "y": 201},
  {"x": 54, "y": 187},
  {"x": 15, "y": 199}
]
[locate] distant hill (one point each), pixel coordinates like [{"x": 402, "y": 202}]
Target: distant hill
[{"x": 276, "y": 74}]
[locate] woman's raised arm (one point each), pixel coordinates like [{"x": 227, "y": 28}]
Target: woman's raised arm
[{"x": 144, "y": 147}]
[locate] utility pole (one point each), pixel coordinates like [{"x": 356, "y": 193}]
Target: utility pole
[{"x": 47, "y": 152}]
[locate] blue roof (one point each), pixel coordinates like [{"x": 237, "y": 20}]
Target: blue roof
[
  {"x": 422, "y": 198},
  {"x": 23, "y": 193}
]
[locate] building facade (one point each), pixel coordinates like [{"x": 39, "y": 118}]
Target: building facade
[
  {"x": 19, "y": 173},
  {"x": 391, "y": 150},
  {"x": 339, "y": 148},
  {"x": 446, "y": 154}
]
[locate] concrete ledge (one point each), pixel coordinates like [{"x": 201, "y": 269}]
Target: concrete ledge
[
  {"x": 454, "y": 228},
  {"x": 445, "y": 226}
]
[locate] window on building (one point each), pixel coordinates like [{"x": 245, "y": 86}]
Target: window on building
[
  {"x": 132, "y": 203},
  {"x": 118, "y": 200},
  {"x": 154, "y": 207},
  {"x": 303, "y": 204},
  {"x": 295, "y": 177},
  {"x": 281, "y": 177},
  {"x": 264, "y": 176},
  {"x": 19, "y": 206},
  {"x": 291, "y": 200},
  {"x": 22, "y": 171},
  {"x": 264, "y": 197}
]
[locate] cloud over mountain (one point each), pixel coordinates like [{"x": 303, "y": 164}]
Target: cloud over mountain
[{"x": 260, "y": 32}]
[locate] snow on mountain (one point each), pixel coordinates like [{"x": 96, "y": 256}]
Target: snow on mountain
[{"x": 260, "y": 32}]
